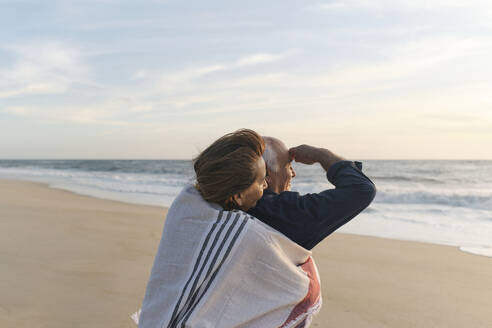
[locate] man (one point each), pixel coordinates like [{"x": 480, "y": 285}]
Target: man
[{"x": 308, "y": 219}]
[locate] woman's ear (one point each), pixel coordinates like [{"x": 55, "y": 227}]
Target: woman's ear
[{"x": 238, "y": 199}]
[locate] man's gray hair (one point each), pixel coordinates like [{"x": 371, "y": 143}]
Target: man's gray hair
[{"x": 270, "y": 155}]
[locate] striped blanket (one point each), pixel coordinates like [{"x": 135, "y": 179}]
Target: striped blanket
[{"x": 217, "y": 268}]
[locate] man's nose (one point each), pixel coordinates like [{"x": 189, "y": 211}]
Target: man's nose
[
  {"x": 293, "y": 172},
  {"x": 265, "y": 184}
]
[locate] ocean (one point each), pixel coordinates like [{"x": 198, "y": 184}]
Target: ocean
[{"x": 435, "y": 201}]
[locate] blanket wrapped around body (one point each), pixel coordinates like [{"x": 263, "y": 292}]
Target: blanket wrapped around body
[{"x": 217, "y": 268}]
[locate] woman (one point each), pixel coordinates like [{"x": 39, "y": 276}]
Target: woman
[
  {"x": 231, "y": 172},
  {"x": 216, "y": 266}
]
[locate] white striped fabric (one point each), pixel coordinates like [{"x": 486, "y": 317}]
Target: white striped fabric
[{"x": 218, "y": 268}]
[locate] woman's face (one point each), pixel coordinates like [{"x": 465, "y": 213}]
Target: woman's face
[{"x": 248, "y": 198}]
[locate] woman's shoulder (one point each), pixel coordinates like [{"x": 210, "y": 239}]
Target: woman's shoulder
[{"x": 189, "y": 202}]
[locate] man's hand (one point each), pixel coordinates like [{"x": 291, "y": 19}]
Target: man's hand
[{"x": 307, "y": 154}]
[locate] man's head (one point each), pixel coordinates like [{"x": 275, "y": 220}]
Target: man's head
[{"x": 278, "y": 164}]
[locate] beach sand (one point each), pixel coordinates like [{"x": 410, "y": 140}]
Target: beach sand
[{"x": 75, "y": 261}]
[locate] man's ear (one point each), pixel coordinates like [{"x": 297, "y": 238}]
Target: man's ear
[
  {"x": 238, "y": 199},
  {"x": 269, "y": 178}
]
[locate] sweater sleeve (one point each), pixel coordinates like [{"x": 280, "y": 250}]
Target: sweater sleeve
[{"x": 308, "y": 219}]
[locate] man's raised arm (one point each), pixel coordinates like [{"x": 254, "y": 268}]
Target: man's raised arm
[{"x": 308, "y": 219}]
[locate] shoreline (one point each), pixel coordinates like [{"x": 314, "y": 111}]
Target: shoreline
[
  {"x": 81, "y": 194},
  {"x": 73, "y": 260},
  {"x": 142, "y": 203}
]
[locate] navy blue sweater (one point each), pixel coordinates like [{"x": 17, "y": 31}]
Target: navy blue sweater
[{"x": 308, "y": 219}]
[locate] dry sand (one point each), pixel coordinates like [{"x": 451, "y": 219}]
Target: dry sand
[{"x": 75, "y": 261}]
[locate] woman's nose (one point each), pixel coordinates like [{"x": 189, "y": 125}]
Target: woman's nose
[{"x": 293, "y": 172}]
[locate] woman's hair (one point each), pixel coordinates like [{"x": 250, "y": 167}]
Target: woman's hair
[{"x": 228, "y": 166}]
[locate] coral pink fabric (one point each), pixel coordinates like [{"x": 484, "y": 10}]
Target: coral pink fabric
[{"x": 312, "y": 297}]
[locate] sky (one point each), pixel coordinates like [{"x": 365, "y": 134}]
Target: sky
[{"x": 163, "y": 79}]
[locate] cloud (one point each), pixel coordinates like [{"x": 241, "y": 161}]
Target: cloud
[
  {"x": 250, "y": 60},
  {"x": 258, "y": 59},
  {"x": 404, "y": 70},
  {"x": 185, "y": 79},
  {"x": 412, "y": 58},
  {"x": 58, "y": 68},
  {"x": 80, "y": 115},
  {"x": 223, "y": 88},
  {"x": 396, "y": 4},
  {"x": 41, "y": 68}
]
